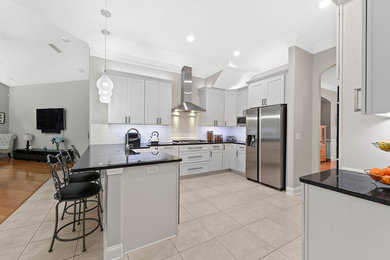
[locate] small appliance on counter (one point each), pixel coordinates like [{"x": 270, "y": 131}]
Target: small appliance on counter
[
  {"x": 210, "y": 136},
  {"x": 154, "y": 140},
  {"x": 133, "y": 139},
  {"x": 230, "y": 138}
]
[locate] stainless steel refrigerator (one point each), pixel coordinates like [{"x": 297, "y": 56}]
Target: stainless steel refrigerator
[{"x": 266, "y": 145}]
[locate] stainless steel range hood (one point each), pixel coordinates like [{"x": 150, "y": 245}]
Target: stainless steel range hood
[{"x": 186, "y": 92}]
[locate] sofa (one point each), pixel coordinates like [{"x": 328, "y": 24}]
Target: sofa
[{"x": 7, "y": 144}]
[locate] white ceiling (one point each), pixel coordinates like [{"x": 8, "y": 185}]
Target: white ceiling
[
  {"x": 153, "y": 32},
  {"x": 25, "y": 56}
]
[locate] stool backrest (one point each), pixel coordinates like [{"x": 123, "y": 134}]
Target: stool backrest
[
  {"x": 76, "y": 152},
  {"x": 66, "y": 159},
  {"x": 57, "y": 170}
]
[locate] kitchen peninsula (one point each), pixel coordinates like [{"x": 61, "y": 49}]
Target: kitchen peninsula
[
  {"x": 141, "y": 195},
  {"x": 345, "y": 216}
]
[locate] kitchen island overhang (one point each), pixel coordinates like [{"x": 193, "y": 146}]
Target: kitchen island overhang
[{"x": 141, "y": 196}]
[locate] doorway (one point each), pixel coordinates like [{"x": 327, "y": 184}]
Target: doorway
[{"x": 329, "y": 120}]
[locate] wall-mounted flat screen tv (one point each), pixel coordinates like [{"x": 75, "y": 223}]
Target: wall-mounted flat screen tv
[{"x": 51, "y": 120}]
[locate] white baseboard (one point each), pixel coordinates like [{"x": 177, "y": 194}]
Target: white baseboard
[
  {"x": 114, "y": 252},
  {"x": 294, "y": 191}
]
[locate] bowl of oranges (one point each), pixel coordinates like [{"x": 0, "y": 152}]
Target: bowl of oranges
[{"x": 380, "y": 175}]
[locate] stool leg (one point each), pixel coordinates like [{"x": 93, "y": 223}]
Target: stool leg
[
  {"x": 85, "y": 206},
  {"x": 63, "y": 212},
  {"x": 55, "y": 229},
  {"x": 99, "y": 202},
  {"x": 78, "y": 223},
  {"x": 74, "y": 216},
  {"x": 98, "y": 213}
]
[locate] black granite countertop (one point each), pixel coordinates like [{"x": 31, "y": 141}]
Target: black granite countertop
[
  {"x": 351, "y": 183},
  {"x": 147, "y": 145},
  {"x": 109, "y": 156}
]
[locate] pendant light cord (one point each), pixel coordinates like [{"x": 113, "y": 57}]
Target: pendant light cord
[{"x": 105, "y": 41}]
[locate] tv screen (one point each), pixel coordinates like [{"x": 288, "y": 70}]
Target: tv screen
[{"x": 51, "y": 120}]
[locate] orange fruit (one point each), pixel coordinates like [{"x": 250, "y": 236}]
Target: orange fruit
[
  {"x": 376, "y": 171},
  {"x": 386, "y": 171},
  {"x": 386, "y": 179}
]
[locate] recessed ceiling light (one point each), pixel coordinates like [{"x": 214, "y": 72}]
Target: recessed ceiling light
[
  {"x": 325, "y": 3},
  {"x": 236, "y": 53},
  {"x": 190, "y": 38},
  {"x": 64, "y": 39}
]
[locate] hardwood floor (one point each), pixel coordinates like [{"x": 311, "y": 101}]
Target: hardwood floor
[
  {"x": 328, "y": 165},
  {"x": 18, "y": 181}
]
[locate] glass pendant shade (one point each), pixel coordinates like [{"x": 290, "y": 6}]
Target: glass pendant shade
[
  {"x": 105, "y": 99},
  {"x": 105, "y": 86}
]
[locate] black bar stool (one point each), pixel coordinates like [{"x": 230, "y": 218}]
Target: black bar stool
[
  {"x": 77, "y": 177},
  {"x": 72, "y": 192}
]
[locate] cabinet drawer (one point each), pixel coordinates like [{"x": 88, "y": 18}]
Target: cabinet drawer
[
  {"x": 193, "y": 168},
  {"x": 216, "y": 146},
  {"x": 193, "y": 148},
  {"x": 195, "y": 156},
  {"x": 241, "y": 147}
]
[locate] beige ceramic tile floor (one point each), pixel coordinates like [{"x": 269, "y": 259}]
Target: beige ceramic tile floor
[{"x": 223, "y": 216}]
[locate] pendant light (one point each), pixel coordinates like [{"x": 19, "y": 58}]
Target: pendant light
[{"x": 104, "y": 83}]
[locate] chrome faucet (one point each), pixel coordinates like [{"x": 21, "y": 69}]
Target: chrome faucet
[{"x": 127, "y": 138}]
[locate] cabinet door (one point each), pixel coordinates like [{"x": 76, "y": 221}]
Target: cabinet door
[
  {"x": 211, "y": 108},
  {"x": 165, "y": 102},
  {"x": 220, "y": 108},
  {"x": 275, "y": 90},
  {"x": 230, "y": 108},
  {"x": 118, "y": 108},
  {"x": 257, "y": 91},
  {"x": 136, "y": 100},
  {"x": 151, "y": 102},
  {"x": 229, "y": 156},
  {"x": 216, "y": 161},
  {"x": 242, "y": 101},
  {"x": 241, "y": 161}
]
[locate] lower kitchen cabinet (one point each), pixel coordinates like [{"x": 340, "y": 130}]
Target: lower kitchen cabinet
[
  {"x": 216, "y": 160},
  {"x": 229, "y": 156},
  {"x": 241, "y": 158},
  {"x": 172, "y": 150}
]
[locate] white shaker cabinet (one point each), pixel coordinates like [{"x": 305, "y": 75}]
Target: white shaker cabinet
[
  {"x": 231, "y": 108},
  {"x": 265, "y": 92},
  {"x": 128, "y": 101},
  {"x": 376, "y": 56},
  {"x": 241, "y": 158},
  {"x": 216, "y": 157},
  {"x": 242, "y": 101},
  {"x": 158, "y": 102},
  {"x": 229, "y": 156},
  {"x": 213, "y": 100}
]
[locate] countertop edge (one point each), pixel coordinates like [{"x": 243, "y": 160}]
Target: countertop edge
[{"x": 345, "y": 191}]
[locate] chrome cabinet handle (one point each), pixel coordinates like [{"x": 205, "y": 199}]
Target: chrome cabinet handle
[
  {"x": 197, "y": 168},
  {"x": 191, "y": 157},
  {"x": 211, "y": 153},
  {"x": 236, "y": 153},
  {"x": 356, "y": 107},
  {"x": 192, "y": 148}
]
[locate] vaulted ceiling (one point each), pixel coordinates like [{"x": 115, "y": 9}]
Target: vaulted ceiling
[{"x": 153, "y": 32}]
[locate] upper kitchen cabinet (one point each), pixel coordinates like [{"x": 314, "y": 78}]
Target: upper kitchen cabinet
[
  {"x": 376, "y": 56},
  {"x": 213, "y": 100},
  {"x": 127, "y": 99},
  {"x": 158, "y": 102},
  {"x": 230, "y": 108},
  {"x": 265, "y": 92},
  {"x": 242, "y": 101}
]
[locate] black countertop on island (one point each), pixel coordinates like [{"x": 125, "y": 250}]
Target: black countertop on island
[
  {"x": 109, "y": 156},
  {"x": 351, "y": 183}
]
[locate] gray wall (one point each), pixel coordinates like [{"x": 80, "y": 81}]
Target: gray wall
[
  {"x": 299, "y": 115},
  {"x": 73, "y": 96},
  {"x": 4, "y": 107},
  {"x": 99, "y": 111}
]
